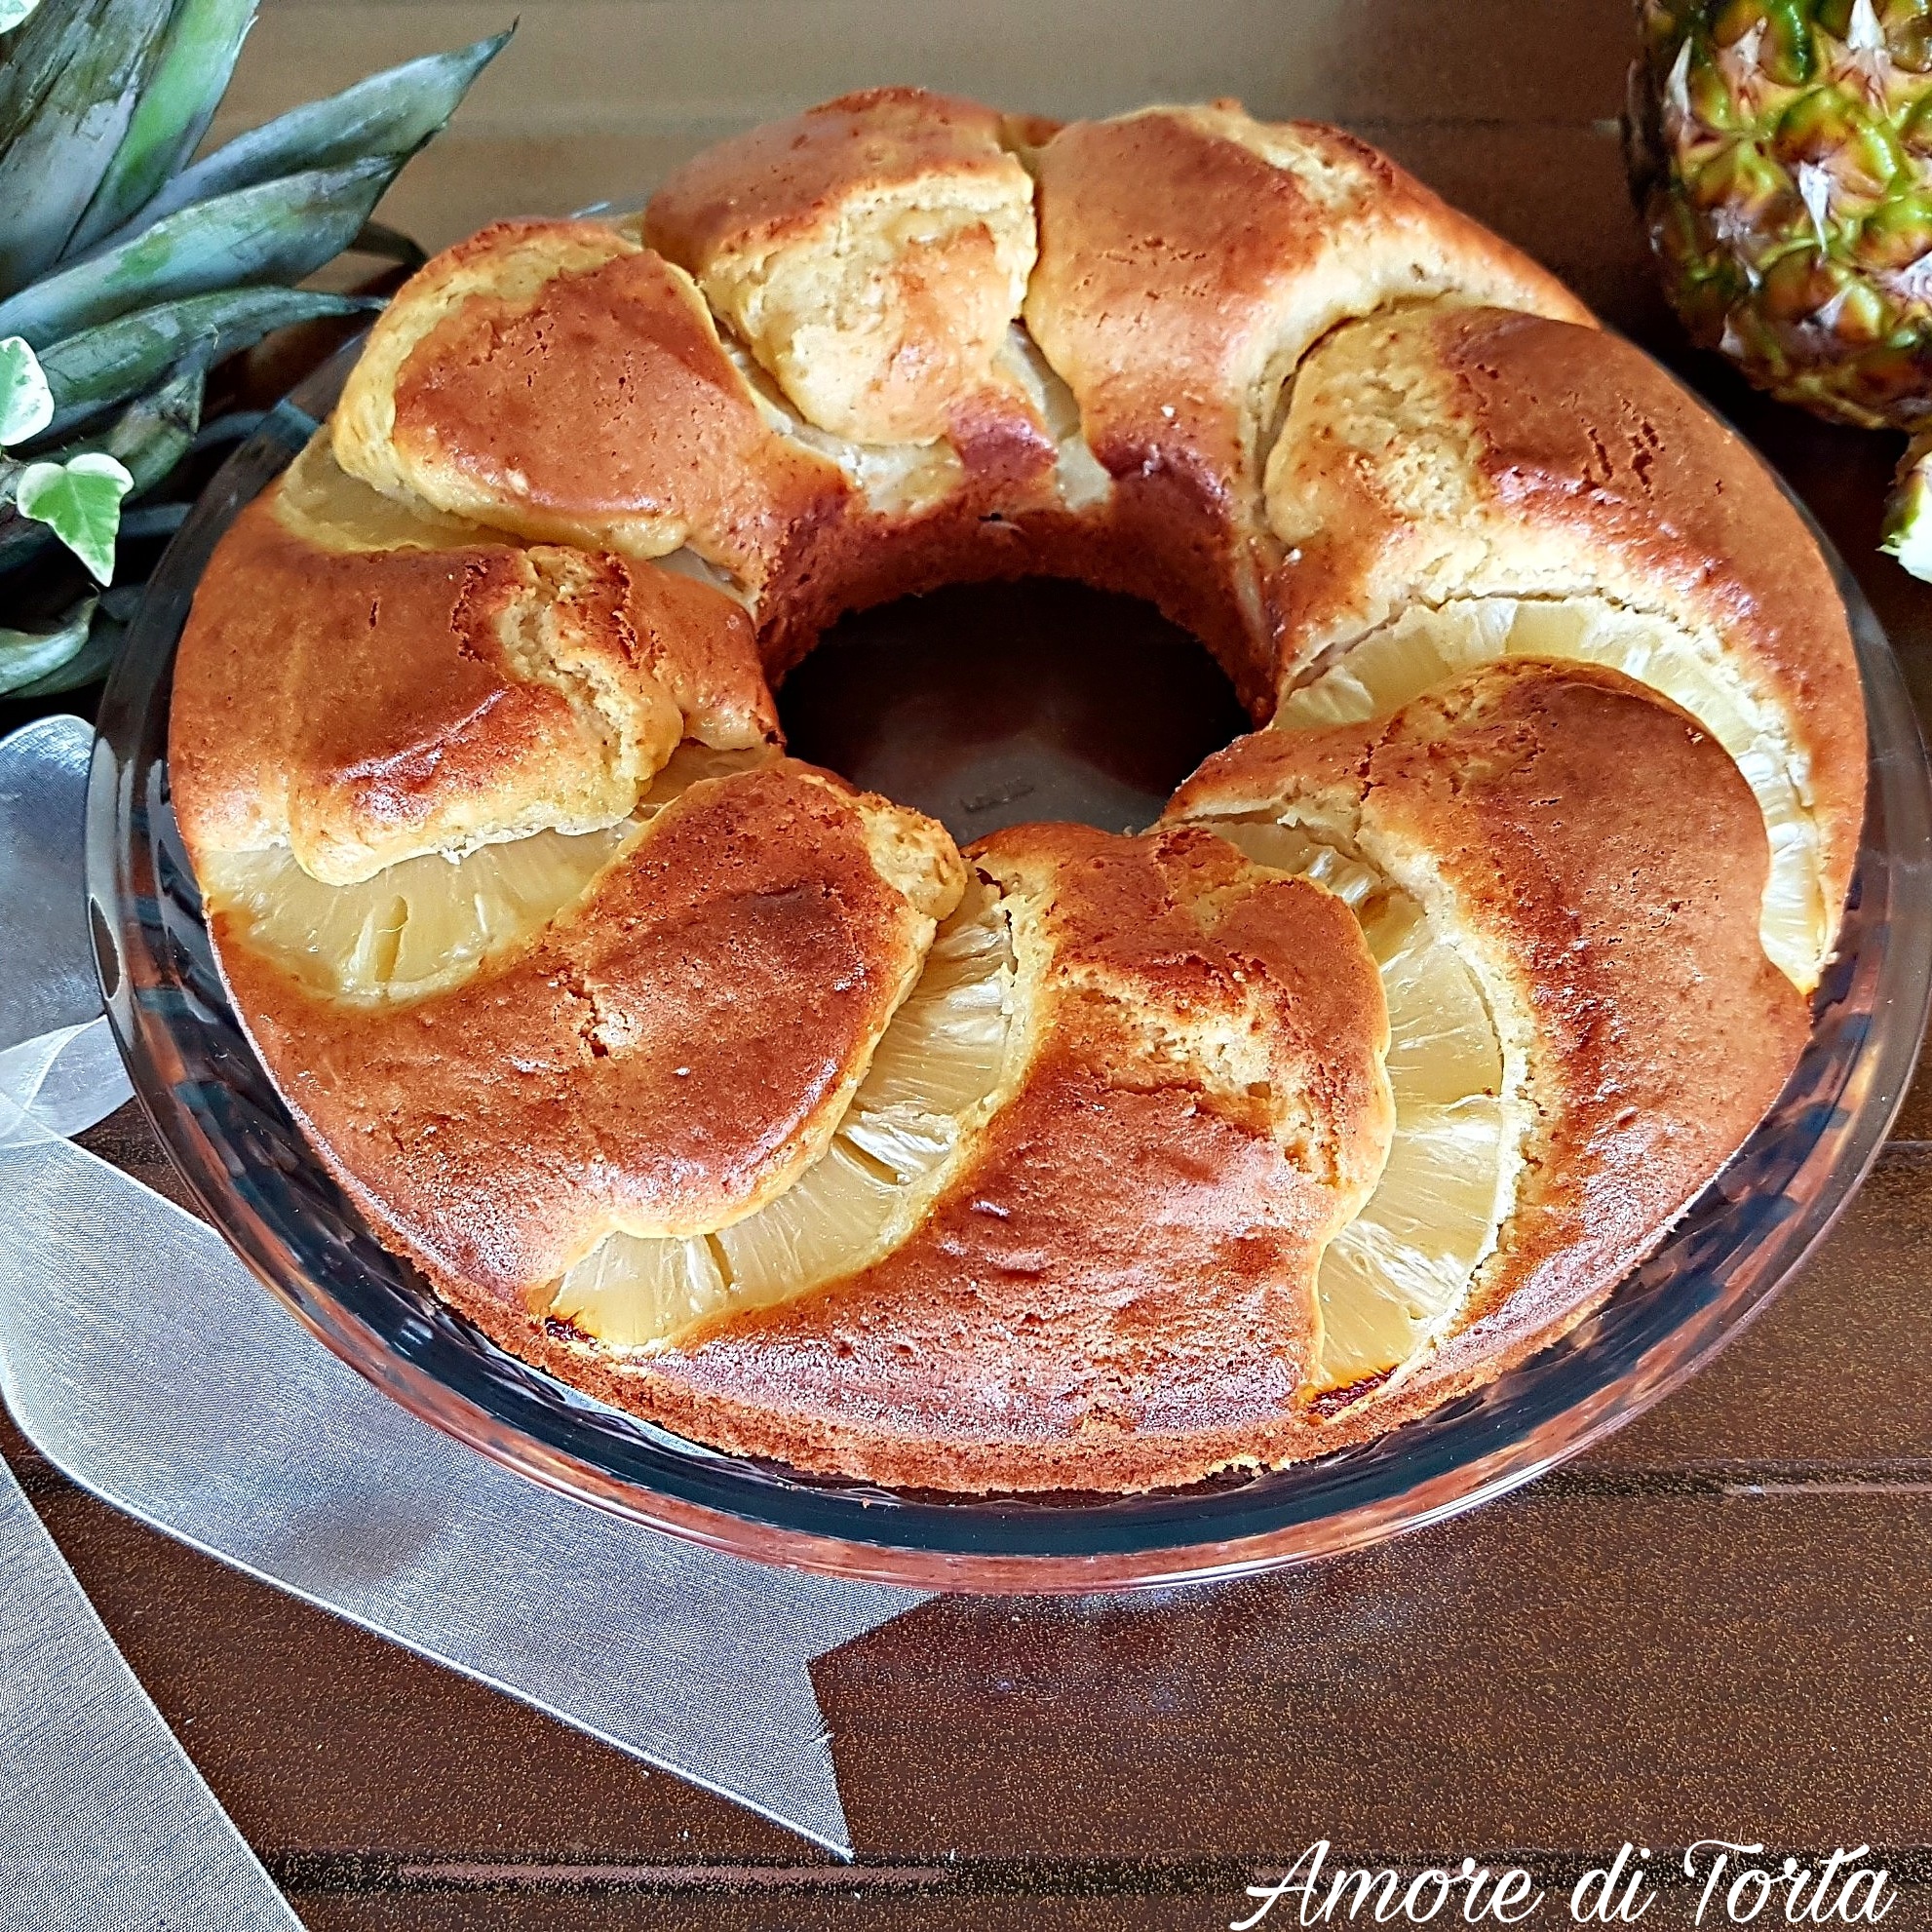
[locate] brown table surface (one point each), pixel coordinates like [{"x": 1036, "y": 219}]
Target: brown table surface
[{"x": 1716, "y": 1624}]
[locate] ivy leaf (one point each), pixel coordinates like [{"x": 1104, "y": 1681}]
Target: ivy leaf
[
  {"x": 26, "y": 403},
  {"x": 13, "y": 12},
  {"x": 80, "y": 502}
]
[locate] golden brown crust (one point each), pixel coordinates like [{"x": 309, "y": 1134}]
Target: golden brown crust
[
  {"x": 1450, "y": 452},
  {"x": 508, "y": 261},
  {"x": 700, "y": 646},
  {"x": 593, "y": 404},
  {"x": 787, "y": 179},
  {"x": 1188, "y": 256},
  {"x": 1118, "y": 1290},
  {"x": 665, "y": 1057},
  {"x": 871, "y": 251},
  {"x": 366, "y": 707},
  {"x": 1600, "y": 859}
]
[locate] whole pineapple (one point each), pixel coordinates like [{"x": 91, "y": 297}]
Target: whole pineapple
[{"x": 1781, "y": 151}]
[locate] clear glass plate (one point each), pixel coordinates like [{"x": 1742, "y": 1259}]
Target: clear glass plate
[{"x": 220, "y": 1116}]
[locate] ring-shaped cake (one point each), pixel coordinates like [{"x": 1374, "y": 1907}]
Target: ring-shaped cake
[{"x": 744, "y": 1100}]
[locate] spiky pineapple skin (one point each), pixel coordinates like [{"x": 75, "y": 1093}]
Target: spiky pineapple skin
[{"x": 1781, "y": 151}]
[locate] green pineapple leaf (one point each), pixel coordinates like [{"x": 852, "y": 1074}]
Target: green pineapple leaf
[
  {"x": 278, "y": 231},
  {"x": 80, "y": 502},
  {"x": 127, "y": 270},
  {"x": 83, "y": 64},
  {"x": 26, "y": 402},
  {"x": 389, "y": 113},
  {"x": 190, "y": 75},
  {"x": 152, "y": 434},
  {"x": 101, "y": 366}
]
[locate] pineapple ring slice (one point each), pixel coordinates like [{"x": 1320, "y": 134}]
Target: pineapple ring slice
[
  {"x": 320, "y": 502},
  {"x": 933, "y": 1079},
  {"x": 416, "y": 928},
  {"x": 1431, "y": 644},
  {"x": 1395, "y": 1278},
  {"x": 424, "y": 925}
]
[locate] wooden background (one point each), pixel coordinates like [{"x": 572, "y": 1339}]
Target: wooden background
[{"x": 1715, "y": 1625}]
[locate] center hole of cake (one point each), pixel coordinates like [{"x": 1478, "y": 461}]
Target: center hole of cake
[{"x": 990, "y": 705}]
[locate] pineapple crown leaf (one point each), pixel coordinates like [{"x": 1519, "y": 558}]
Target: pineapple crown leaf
[
  {"x": 101, "y": 366},
  {"x": 68, "y": 88},
  {"x": 277, "y": 231},
  {"x": 96, "y": 124},
  {"x": 152, "y": 434},
  {"x": 80, "y": 502},
  {"x": 392, "y": 113},
  {"x": 27, "y": 400},
  {"x": 190, "y": 74},
  {"x": 125, "y": 270}
]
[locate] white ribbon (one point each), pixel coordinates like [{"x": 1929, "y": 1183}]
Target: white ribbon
[
  {"x": 145, "y": 1361},
  {"x": 58, "y": 1085},
  {"x": 104, "y": 1825}
]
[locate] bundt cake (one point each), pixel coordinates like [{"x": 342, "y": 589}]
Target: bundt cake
[{"x": 1079, "y": 1161}]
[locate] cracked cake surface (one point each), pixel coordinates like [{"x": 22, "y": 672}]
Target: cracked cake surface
[{"x": 1081, "y": 1159}]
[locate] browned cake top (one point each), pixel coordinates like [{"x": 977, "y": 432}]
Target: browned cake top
[
  {"x": 665, "y": 1057},
  {"x": 1242, "y": 368},
  {"x": 1445, "y": 453},
  {"x": 872, "y": 251},
  {"x": 791, "y": 179},
  {"x": 1189, "y": 254},
  {"x": 1600, "y": 859},
  {"x": 365, "y": 705},
  {"x": 700, "y": 646},
  {"x": 1119, "y": 1290},
  {"x": 560, "y": 380}
]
